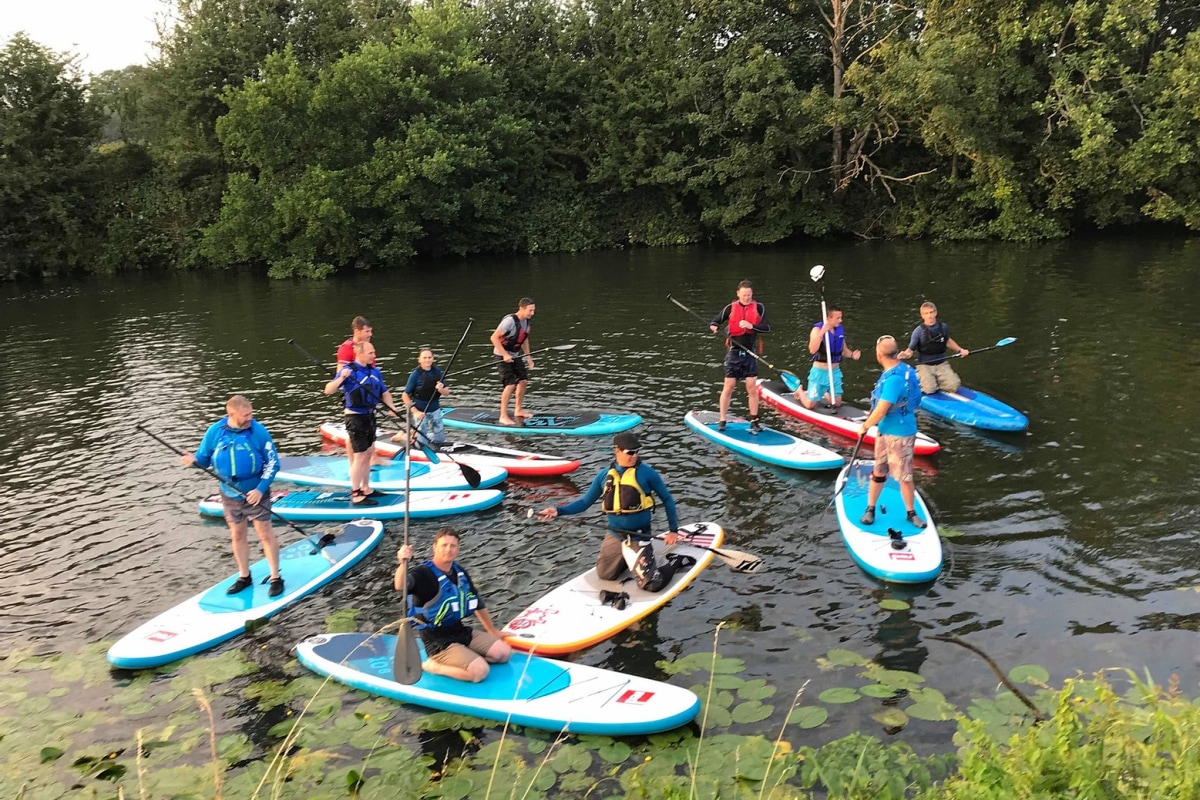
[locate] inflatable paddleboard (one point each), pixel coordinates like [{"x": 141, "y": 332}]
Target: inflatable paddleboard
[
  {"x": 769, "y": 445},
  {"x": 975, "y": 409},
  {"x": 578, "y": 423},
  {"x": 335, "y": 471},
  {"x": 516, "y": 462},
  {"x": 211, "y": 617},
  {"x": 528, "y": 690},
  {"x": 891, "y": 549},
  {"x": 573, "y": 616},
  {"x": 845, "y": 419},
  {"x": 336, "y": 505}
]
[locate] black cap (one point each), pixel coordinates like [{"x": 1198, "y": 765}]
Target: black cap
[{"x": 627, "y": 440}]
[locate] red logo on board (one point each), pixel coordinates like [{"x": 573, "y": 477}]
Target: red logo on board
[
  {"x": 161, "y": 636},
  {"x": 634, "y": 697}
]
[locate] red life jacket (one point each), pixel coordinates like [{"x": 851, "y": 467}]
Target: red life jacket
[
  {"x": 739, "y": 312},
  {"x": 512, "y": 343}
]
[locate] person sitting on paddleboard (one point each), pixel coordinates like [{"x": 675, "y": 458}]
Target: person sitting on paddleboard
[
  {"x": 440, "y": 596},
  {"x": 240, "y": 450},
  {"x": 747, "y": 318},
  {"x": 894, "y": 404},
  {"x": 624, "y": 489},
  {"x": 930, "y": 341},
  {"x": 510, "y": 345},
  {"x": 823, "y": 357},
  {"x": 423, "y": 393}
]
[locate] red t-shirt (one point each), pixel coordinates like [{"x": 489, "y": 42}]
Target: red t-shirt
[{"x": 345, "y": 352}]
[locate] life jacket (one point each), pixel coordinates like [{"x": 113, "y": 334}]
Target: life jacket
[
  {"x": 623, "y": 494},
  {"x": 512, "y": 342},
  {"x": 737, "y": 313},
  {"x": 364, "y": 388},
  {"x": 235, "y": 456},
  {"x": 910, "y": 400},
  {"x": 454, "y": 602},
  {"x": 837, "y": 342},
  {"x": 428, "y": 386},
  {"x": 932, "y": 341}
]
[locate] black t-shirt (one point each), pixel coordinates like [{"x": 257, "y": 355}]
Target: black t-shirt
[{"x": 423, "y": 586}]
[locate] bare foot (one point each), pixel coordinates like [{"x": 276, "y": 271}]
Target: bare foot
[
  {"x": 507, "y": 421},
  {"x": 524, "y": 414}
]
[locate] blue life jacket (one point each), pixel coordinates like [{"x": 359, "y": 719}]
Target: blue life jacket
[
  {"x": 454, "y": 602},
  {"x": 932, "y": 342},
  {"x": 910, "y": 400},
  {"x": 837, "y": 342},
  {"x": 236, "y": 457},
  {"x": 364, "y": 388}
]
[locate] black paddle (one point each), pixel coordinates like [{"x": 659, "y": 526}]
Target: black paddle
[
  {"x": 1002, "y": 343},
  {"x": 492, "y": 364},
  {"x": 736, "y": 560},
  {"x": 853, "y": 458},
  {"x": 317, "y": 544},
  {"x": 406, "y": 661},
  {"x": 789, "y": 377}
]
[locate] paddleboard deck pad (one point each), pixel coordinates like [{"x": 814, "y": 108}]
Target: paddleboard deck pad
[
  {"x": 336, "y": 505},
  {"x": 891, "y": 549},
  {"x": 575, "y": 615},
  {"x": 335, "y": 471},
  {"x": 975, "y": 409},
  {"x": 769, "y": 445},
  {"x": 845, "y": 419},
  {"x": 528, "y": 690},
  {"x": 212, "y": 616},
  {"x": 577, "y": 423},
  {"x": 516, "y": 462}
]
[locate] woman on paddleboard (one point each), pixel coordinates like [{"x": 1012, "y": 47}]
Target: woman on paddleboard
[{"x": 423, "y": 393}]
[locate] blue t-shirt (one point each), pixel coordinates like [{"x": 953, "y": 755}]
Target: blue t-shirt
[
  {"x": 246, "y": 458},
  {"x": 416, "y": 380},
  {"x": 649, "y": 479},
  {"x": 901, "y": 387}
]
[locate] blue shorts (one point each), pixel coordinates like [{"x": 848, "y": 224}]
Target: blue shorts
[{"x": 818, "y": 382}]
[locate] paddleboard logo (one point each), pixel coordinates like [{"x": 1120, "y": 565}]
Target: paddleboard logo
[
  {"x": 901, "y": 555},
  {"x": 634, "y": 697},
  {"x": 531, "y": 618},
  {"x": 161, "y": 636},
  {"x": 547, "y": 421}
]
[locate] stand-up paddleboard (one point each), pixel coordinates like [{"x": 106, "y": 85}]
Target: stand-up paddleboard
[
  {"x": 845, "y": 419},
  {"x": 769, "y": 445},
  {"x": 335, "y": 471},
  {"x": 528, "y": 690},
  {"x": 336, "y": 505},
  {"x": 577, "y": 423},
  {"x": 575, "y": 616},
  {"x": 516, "y": 462},
  {"x": 212, "y": 616},
  {"x": 891, "y": 548},
  {"x": 975, "y": 409}
]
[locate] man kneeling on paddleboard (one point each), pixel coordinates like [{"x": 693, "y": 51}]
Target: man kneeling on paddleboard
[
  {"x": 624, "y": 490},
  {"x": 440, "y": 595}
]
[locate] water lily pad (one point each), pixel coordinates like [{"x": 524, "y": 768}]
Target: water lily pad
[
  {"x": 890, "y": 718},
  {"x": 877, "y": 690},
  {"x": 949, "y": 533},
  {"x": 1029, "y": 673},
  {"x": 808, "y": 717},
  {"x": 935, "y": 712},
  {"x": 50, "y": 754},
  {"x": 344, "y": 620},
  {"x": 892, "y": 604},
  {"x": 757, "y": 689},
  {"x": 614, "y": 752},
  {"x": 751, "y": 711},
  {"x": 901, "y": 679},
  {"x": 728, "y": 682},
  {"x": 845, "y": 658},
  {"x": 570, "y": 758},
  {"x": 839, "y": 694}
]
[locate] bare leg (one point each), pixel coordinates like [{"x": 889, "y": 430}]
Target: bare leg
[
  {"x": 505, "y": 396},
  {"x": 726, "y": 396},
  {"x": 270, "y": 545},
  {"x": 752, "y": 395},
  {"x": 517, "y": 410},
  {"x": 474, "y": 673},
  {"x": 360, "y": 471},
  {"x": 908, "y": 492},
  {"x": 241, "y": 546},
  {"x": 499, "y": 653},
  {"x": 876, "y": 488}
]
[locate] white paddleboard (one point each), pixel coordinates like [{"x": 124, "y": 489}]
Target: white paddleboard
[{"x": 390, "y": 477}]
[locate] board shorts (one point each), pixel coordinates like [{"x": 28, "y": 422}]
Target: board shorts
[
  {"x": 895, "y": 453},
  {"x": 938, "y": 378},
  {"x": 740, "y": 365},
  {"x": 237, "y": 510},
  {"x": 512, "y": 372},
  {"x": 818, "y": 382},
  {"x": 360, "y": 430},
  {"x": 460, "y": 656}
]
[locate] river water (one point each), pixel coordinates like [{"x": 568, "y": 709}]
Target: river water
[{"x": 1079, "y": 538}]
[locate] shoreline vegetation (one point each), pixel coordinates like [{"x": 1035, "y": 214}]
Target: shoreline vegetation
[
  {"x": 304, "y": 138},
  {"x": 70, "y": 727}
]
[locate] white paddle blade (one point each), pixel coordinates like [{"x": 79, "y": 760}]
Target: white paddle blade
[
  {"x": 745, "y": 563},
  {"x": 817, "y": 272}
]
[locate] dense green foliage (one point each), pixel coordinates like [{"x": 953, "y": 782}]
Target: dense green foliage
[{"x": 311, "y": 136}]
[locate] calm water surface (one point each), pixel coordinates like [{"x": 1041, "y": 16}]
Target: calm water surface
[{"x": 1079, "y": 538}]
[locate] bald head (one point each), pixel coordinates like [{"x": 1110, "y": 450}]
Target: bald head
[{"x": 886, "y": 348}]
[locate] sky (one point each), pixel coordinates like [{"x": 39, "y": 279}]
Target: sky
[{"x": 106, "y": 34}]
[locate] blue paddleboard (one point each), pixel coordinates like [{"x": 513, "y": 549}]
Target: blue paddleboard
[
  {"x": 528, "y": 690},
  {"x": 577, "y": 423},
  {"x": 769, "y": 445},
  {"x": 211, "y": 617},
  {"x": 336, "y": 505},
  {"x": 975, "y": 409}
]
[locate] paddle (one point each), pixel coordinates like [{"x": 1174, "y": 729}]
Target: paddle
[
  {"x": 853, "y": 458},
  {"x": 736, "y": 560},
  {"x": 790, "y": 379},
  {"x": 317, "y": 544},
  {"x": 406, "y": 661},
  {"x": 1002, "y": 343},
  {"x": 817, "y": 274},
  {"x": 493, "y": 363}
]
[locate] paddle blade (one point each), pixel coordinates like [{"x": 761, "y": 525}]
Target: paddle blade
[
  {"x": 470, "y": 474},
  {"x": 406, "y": 661},
  {"x": 790, "y": 379},
  {"x": 737, "y": 561},
  {"x": 1005, "y": 342}
]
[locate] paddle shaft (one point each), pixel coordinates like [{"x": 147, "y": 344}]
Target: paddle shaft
[
  {"x": 853, "y": 458},
  {"x": 750, "y": 353},
  {"x": 318, "y": 544},
  {"x": 493, "y": 363},
  {"x": 321, "y": 364},
  {"x": 406, "y": 661},
  {"x": 828, "y": 346},
  {"x": 1002, "y": 343}
]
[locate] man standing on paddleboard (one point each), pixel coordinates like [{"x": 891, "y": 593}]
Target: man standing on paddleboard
[
  {"x": 894, "y": 405},
  {"x": 363, "y": 385},
  {"x": 827, "y": 361},
  {"x": 747, "y": 318},
  {"x": 360, "y": 331},
  {"x": 624, "y": 490},
  {"x": 240, "y": 450},
  {"x": 930, "y": 340},
  {"x": 510, "y": 344},
  {"x": 439, "y": 595}
]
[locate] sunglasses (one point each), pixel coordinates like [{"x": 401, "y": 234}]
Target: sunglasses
[{"x": 628, "y": 452}]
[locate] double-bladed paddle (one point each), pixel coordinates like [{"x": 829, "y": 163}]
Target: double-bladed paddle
[
  {"x": 790, "y": 379},
  {"x": 406, "y": 661},
  {"x": 493, "y": 363},
  {"x": 1005, "y": 342},
  {"x": 317, "y": 544}
]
